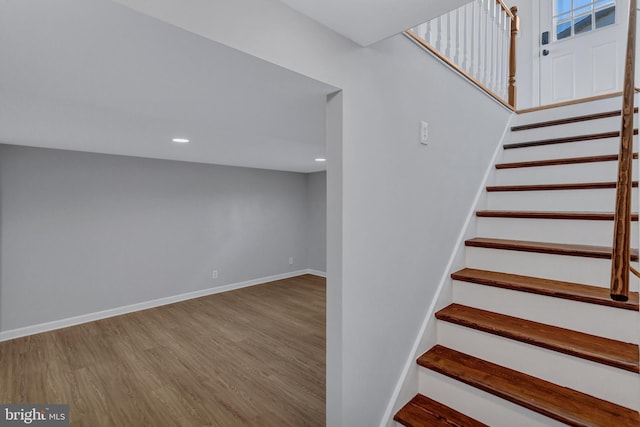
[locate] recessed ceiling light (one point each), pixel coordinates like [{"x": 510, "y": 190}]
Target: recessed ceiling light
[
  {"x": 321, "y": 159},
  {"x": 180, "y": 140}
]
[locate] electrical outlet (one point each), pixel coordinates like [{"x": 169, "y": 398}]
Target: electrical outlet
[
  {"x": 291, "y": 260},
  {"x": 214, "y": 275}
]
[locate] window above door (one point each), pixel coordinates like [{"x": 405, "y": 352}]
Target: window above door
[{"x": 573, "y": 17}]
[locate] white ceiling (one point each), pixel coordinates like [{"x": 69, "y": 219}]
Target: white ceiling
[
  {"x": 369, "y": 21},
  {"x": 92, "y": 75}
]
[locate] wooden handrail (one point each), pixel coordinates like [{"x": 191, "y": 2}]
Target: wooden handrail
[
  {"x": 506, "y": 9},
  {"x": 620, "y": 259},
  {"x": 515, "y": 28},
  {"x": 501, "y": 25}
]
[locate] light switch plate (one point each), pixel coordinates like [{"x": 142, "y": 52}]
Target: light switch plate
[{"x": 424, "y": 132}]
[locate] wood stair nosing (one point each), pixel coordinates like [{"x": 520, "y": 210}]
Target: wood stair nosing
[
  {"x": 422, "y": 411},
  {"x": 561, "y": 161},
  {"x": 560, "y": 403},
  {"x": 587, "y": 251},
  {"x": 552, "y": 288},
  {"x": 556, "y": 187},
  {"x": 588, "y": 216},
  {"x": 578, "y": 344},
  {"x": 569, "y": 120},
  {"x": 567, "y": 139}
]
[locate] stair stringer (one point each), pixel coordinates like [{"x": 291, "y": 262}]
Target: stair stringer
[{"x": 407, "y": 385}]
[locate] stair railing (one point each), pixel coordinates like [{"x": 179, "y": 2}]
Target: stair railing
[
  {"x": 478, "y": 40},
  {"x": 621, "y": 252}
]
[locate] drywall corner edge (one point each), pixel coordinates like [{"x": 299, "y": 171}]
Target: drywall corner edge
[{"x": 392, "y": 407}]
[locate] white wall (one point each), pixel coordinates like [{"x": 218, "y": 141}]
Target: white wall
[
  {"x": 395, "y": 207},
  {"x": 317, "y": 225},
  {"x": 404, "y": 206},
  {"x": 82, "y": 232}
]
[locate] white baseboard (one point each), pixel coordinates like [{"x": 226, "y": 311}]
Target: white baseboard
[
  {"x": 90, "y": 317},
  {"x": 317, "y": 273}
]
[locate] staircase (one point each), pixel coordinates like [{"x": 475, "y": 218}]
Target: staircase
[{"x": 532, "y": 337}]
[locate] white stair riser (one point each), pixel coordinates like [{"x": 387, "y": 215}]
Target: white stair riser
[
  {"x": 477, "y": 404},
  {"x": 592, "y": 200},
  {"x": 602, "y": 381},
  {"x": 588, "y": 271},
  {"x": 562, "y": 174},
  {"x": 596, "y": 147},
  {"x": 609, "y": 124},
  {"x": 568, "y": 314},
  {"x": 581, "y": 109},
  {"x": 582, "y": 232}
]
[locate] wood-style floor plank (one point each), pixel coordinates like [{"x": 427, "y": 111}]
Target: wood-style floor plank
[{"x": 250, "y": 357}]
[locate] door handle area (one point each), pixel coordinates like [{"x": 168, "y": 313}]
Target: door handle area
[
  {"x": 545, "y": 52},
  {"x": 544, "y": 39}
]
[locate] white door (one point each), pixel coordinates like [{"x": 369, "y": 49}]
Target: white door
[{"x": 584, "y": 55}]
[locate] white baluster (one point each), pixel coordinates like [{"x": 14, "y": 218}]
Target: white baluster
[
  {"x": 464, "y": 33},
  {"x": 468, "y": 37},
  {"x": 488, "y": 49},
  {"x": 505, "y": 47},
  {"x": 499, "y": 51},
  {"x": 507, "y": 37},
  {"x": 482, "y": 40},
  {"x": 449, "y": 41},
  {"x": 418, "y": 31},
  {"x": 456, "y": 32},
  {"x": 439, "y": 35},
  {"x": 487, "y": 43},
  {"x": 474, "y": 37},
  {"x": 503, "y": 54},
  {"x": 492, "y": 45},
  {"x": 499, "y": 48}
]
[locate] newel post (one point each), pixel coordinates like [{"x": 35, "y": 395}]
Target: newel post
[{"x": 515, "y": 28}]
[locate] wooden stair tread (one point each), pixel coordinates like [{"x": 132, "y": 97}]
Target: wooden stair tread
[
  {"x": 587, "y": 251},
  {"x": 552, "y": 187},
  {"x": 565, "y": 161},
  {"x": 424, "y": 412},
  {"x": 578, "y": 138},
  {"x": 560, "y": 403},
  {"x": 553, "y": 288},
  {"x": 591, "y": 216},
  {"x": 597, "y": 349},
  {"x": 569, "y": 120}
]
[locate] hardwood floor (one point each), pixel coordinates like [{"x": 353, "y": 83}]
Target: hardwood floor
[{"x": 251, "y": 357}]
